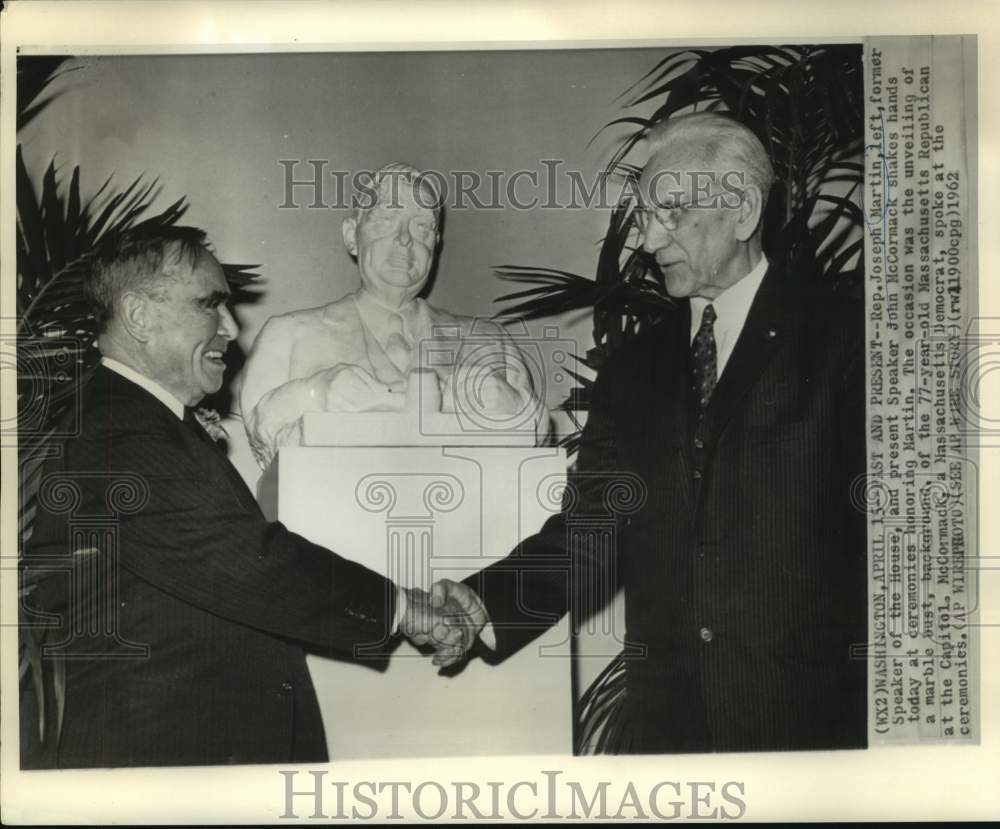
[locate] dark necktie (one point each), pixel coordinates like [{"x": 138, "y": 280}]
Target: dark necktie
[{"x": 703, "y": 360}]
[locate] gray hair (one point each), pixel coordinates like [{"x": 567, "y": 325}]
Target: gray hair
[
  {"x": 720, "y": 140},
  {"x": 142, "y": 259}
]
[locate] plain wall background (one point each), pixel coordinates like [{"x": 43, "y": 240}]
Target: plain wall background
[{"x": 213, "y": 128}]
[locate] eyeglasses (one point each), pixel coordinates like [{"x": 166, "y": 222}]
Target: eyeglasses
[{"x": 669, "y": 217}]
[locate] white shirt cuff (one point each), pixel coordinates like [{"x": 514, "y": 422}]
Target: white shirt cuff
[
  {"x": 488, "y": 637},
  {"x": 401, "y": 605}
]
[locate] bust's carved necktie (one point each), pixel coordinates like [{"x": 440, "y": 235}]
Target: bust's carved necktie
[
  {"x": 397, "y": 346},
  {"x": 704, "y": 361}
]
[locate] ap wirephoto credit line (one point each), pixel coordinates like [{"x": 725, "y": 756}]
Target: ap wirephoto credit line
[
  {"x": 923, "y": 424},
  {"x": 381, "y": 416}
]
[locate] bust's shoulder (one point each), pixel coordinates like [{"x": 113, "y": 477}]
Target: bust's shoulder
[
  {"x": 439, "y": 316},
  {"x": 299, "y": 323},
  {"x": 461, "y": 325},
  {"x": 342, "y": 311}
]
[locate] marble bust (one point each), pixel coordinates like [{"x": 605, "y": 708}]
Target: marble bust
[{"x": 371, "y": 350}]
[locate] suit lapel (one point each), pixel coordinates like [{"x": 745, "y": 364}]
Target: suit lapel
[
  {"x": 767, "y": 328},
  {"x": 669, "y": 381},
  {"x": 114, "y": 385},
  {"x": 210, "y": 448}
]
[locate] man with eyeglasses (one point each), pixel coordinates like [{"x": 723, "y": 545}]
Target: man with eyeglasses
[{"x": 738, "y": 422}]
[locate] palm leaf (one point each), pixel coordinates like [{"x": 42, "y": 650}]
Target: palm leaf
[
  {"x": 34, "y": 75},
  {"x": 555, "y": 292},
  {"x": 601, "y": 722}
]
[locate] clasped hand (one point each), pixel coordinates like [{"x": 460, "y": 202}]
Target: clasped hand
[
  {"x": 349, "y": 388},
  {"x": 449, "y": 617}
]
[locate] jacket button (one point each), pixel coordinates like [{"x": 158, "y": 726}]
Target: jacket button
[
  {"x": 286, "y": 686},
  {"x": 706, "y": 634},
  {"x": 699, "y": 443},
  {"x": 697, "y": 474}
]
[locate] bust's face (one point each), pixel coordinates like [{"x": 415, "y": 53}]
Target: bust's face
[{"x": 394, "y": 242}]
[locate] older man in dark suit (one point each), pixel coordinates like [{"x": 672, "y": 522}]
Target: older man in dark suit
[
  {"x": 184, "y": 614},
  {"x": 738, "y": 422}
]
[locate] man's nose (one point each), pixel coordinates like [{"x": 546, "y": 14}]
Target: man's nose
[
  {"x": 655, "y": 237},
  {"x": 228, "y": 326},
  {"x": 404, "y": 236}
]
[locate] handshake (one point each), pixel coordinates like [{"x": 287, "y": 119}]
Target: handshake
[{"x": 450, "y": 618}]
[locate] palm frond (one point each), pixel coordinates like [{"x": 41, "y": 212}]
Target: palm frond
[
  {"x": 555, "y": 292},
  {"x": 34, "y": 75},
  {"x": 602, "y": 728}
]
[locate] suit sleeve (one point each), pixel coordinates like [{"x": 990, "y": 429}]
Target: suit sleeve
[
  {"x": 188, "y": 536},
  {"x": 561, "y": 565}
]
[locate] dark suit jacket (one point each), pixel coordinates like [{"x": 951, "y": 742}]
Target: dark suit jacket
[
  {"x": 184, "y": 624},
  {"x": 742, "y": 558}
]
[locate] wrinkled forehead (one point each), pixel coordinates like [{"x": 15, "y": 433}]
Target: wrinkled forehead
[
  {"x": 679, "y": 170},
  {"x": 202, "y": 273}
]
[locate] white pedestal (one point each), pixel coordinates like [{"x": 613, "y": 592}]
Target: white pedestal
[{"x": 417, "y": 514}]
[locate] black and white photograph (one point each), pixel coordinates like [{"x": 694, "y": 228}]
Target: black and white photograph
[{"x": 388, "y": 403}]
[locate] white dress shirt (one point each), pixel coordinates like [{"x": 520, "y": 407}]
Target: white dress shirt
[{"x": 731, "y": 309}]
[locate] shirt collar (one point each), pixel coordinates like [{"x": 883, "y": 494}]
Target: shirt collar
[
  {"x": 376, "y": 316},
  {"x": 733, "y": 304},
  {"x": 154, "y": 388}
]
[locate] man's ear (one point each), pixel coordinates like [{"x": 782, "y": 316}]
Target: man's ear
[
  {"x": 749, "y": 213},
  {"x": 134, "y": 316},
  {"x": 350, "y": 228}
]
